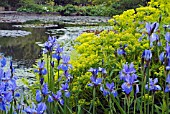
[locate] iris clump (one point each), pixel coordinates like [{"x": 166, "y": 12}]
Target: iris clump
[
  {"x": 8, "y": 86},
  {"x": 128, "y": 75}
]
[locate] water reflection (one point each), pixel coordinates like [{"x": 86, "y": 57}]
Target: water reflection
[
  {"x": 22, "y": 49},
  {"x": 25, "y": 51}
]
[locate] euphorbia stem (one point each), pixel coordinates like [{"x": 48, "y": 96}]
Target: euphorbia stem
[{"x": 94, "y": 97}]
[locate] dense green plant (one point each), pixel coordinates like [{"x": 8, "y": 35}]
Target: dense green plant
[
  {"x": 103, "y": 46},
  {"x": 35, "y": 8},
  {"x": 69, "y": 9}
]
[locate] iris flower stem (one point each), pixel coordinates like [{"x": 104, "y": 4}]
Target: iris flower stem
[
  {"x": 125, "y": 104},
  {"x": 153, "y": 102},
  {"x": 110, "y": 103},
  {"x": 51, "y": 75},
  {"x": 11, "y": 111},
  {"x": 144, "y": 96},
  {"x": 143, "y": 92},
  {"x": 148, "y": 89},
  {"x": 128, "y": 104},
  {"x": 94, "y": 97},
  {"x": 47, "y": 68},
  {"x": 167, "y": 99},
  {"x": 55, "y": 108},
  {"x": 134, "y": 110},
  {"x": 65, "y": 104},
  {"x": 58, "y": 75}
]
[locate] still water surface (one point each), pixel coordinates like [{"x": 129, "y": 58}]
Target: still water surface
[{"x": 22, "y": 49}]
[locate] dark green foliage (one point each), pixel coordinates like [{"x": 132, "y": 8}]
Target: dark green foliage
[
  {"x": 69, "y": 9},
  {"x": 127, "y": 4}
]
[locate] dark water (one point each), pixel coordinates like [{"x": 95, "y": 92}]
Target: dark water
[{"x": 23, "y": 50}]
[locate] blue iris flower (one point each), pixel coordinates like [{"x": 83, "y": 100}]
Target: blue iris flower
[
  {"x": 152, "y": 85},
  {"x": 128, "y": 70},
  {"x": 45, "y": 89},
  {"x": 94, "y": 71},
  {"x": 167, "y": 88},
  {"x": 95, "y": 81},
  {"x": 41, "y": 68},
  {"x": 2, "y": 106},
  {"x": 161, "y": 57},
  {"x": 65, "y": 87},
  {"x": 105, "y": 91},
  {"x": 65, "y": 63},
  {"x": 12, "y": 84},
  {"x": 168, "y": 65},
  {"x": 110, "y": 87},
  {"x": 121, "y": 50},
  {"x": 127, "y": 86},
  {"x": 6, "y": 76},
  {"x": 38, "y": 96},
  {"x": 151, "y": 28},
  {"x": 50, "y": 98},
  {"x": 147, "y": 55},
  {"x": 167, "y": 50},
  {"x": 65, "y": 59},
  {"x": 50, "y": 44},
  {"x": 102, "y": 70},
  {"x": 58, "y": 97},
  {"x": 58, "y": 52},
  {"x": 8, "y": 96},
  {"x": 41, "y": 108},
  {"x": 154, "y": 37},
  {"x": 2, "y": 61},
  {"x": 137, "y": 89},
  {"x": 68, "y": 76},
  {"x": 167, "y": 36}
]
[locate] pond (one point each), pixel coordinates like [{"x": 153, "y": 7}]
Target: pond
[{"x": 22, "y": 41}]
